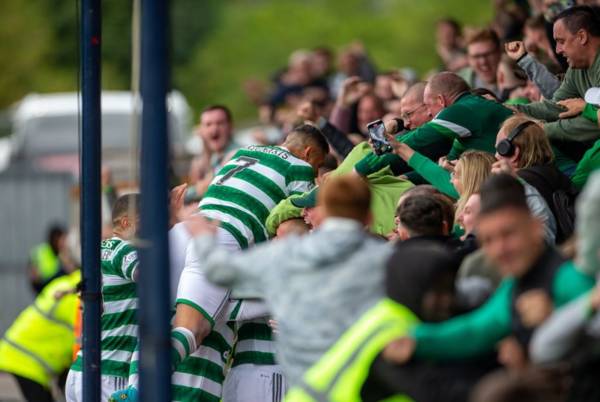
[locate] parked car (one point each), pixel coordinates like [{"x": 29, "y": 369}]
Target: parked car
[{"x": 45, "y": 133}]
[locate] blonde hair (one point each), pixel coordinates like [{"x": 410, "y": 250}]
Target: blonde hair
[
  {"x": 476, "y": 166},
  {"x": 533, "y": 144}
]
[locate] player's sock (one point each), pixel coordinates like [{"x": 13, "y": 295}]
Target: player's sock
[{"x": 183, "y": 343}]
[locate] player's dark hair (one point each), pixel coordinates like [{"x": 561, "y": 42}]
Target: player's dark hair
[
  {"x": 308, "y": 133},
  {"x": 124, "y": 204}
]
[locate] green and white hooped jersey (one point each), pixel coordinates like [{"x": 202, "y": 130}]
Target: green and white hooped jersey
[
  {"x": 201, "y": 375},
  {"x": 255, "y": 344},
  {"x": 252, "y": 183},
  {"x": 119, "y": 324}
]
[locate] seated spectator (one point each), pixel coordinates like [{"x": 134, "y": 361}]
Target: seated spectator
[
  {"x": 449, "y": 44},
  {"x": 216, "y": 133},
  {"x": 471, "y": 169},
  {"x": 536, "y": 41},
  {"x": 369, "y": 107},
  {"x": 466, "y": 121},
  {"x": 524, "y": 146},
  {"x": 510, "y": 78},
  {"x": 483, "y": 54},
  {"x": 534, "y": 275},
  {"x": 352, "y": 62},
  {"x": 577, "y": 33}
]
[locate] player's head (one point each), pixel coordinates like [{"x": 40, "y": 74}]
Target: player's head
[
  {"x": 307, "y": 143},
  {"x": 125, "y": 215},
  {"x": 346, "y": 196}
]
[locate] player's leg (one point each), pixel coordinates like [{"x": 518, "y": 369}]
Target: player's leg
[
  {"x": 199, "y": 302},
  {"x": 73, "y": 386}
]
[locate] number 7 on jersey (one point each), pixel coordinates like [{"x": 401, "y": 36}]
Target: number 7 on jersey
[{"x": 243, "y": 162}]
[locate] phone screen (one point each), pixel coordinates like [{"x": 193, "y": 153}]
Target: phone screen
[{"x": 377, "y": 135}]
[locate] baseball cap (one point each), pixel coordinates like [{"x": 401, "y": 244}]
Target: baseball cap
[
  {"x": 306, "y": 200},
  {"x": 592, "y": 96}
]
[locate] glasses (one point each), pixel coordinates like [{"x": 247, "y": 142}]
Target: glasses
[
  {"x": 408, "y": 115},
  {"x": 483, "y": 55}
]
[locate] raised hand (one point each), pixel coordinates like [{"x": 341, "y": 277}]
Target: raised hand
[{"x": 515, "y": 50}]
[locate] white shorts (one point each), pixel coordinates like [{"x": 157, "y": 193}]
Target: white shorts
[
  {"x": 195, "y": 290},
  {"x": 252, "y": 383},
  {"x": 109, "y": 385}
]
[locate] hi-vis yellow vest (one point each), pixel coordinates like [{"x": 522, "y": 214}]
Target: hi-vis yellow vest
[
  {"x": 38, "y": 345},
  {"x": 340, "y": 374},
  {"x": 46, "y": 261}
]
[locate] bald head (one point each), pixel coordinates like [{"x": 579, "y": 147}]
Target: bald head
[
  {"x": 447, "y": 84},
  {"x": 415, "y": 92},
  {"x": 442, "y": 90}
]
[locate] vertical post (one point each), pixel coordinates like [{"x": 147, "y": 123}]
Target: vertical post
[
  {"x": 153, "y": 289},
  {"x": 90, "y": 194}
]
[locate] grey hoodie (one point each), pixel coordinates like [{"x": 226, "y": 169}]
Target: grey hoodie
[{"x": 315, "y": 286}]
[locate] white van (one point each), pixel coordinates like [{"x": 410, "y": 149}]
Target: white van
[{"x": 45, "y": 131}]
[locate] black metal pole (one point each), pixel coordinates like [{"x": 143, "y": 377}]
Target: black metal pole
[
  {"x": 91, "y": 13},
  {"x": 153, "y": 289}
]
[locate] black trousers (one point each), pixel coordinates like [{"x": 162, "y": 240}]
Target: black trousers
[{"x": 33, "y": 391}]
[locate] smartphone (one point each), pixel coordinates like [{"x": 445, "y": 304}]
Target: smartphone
[{"x": 377, "y": 134}]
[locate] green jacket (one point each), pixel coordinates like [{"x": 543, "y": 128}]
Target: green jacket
[
  {"x": 471, "y": 122},
  {"x": 490, "y": 323},
  {"x": 574, "y": 85},
  {"x": 591, "y": 159},
  {"x": 386, "y": 190}
]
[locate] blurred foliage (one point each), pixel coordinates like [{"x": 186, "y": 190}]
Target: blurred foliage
[{"x": 217, "y": 45}]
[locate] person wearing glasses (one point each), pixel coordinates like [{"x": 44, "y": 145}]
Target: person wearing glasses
[{"x": 483, "y": 54}]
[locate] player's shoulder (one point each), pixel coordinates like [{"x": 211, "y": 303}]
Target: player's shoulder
[{"x": 115, "y": 247}]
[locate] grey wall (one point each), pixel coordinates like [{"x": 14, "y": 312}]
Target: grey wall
[{"x": 29, "y": 203}]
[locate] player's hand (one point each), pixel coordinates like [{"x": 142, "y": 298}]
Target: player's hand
[
  {"x": 574, "y": 107},
  {"x": 198, "y": 225},
  {"x": 534, "y": 307},
  {"x": 352, "y": 90},
  {"x": 515, "y": 50},
  {"x": 176, "y": 201},
  {"x": 274, "y": 325},
  {"x": 400, "y": 350}
]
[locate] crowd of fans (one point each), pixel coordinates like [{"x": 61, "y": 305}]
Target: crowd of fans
[
  {"x": 499, "y": 143},
  {"x": 456, "y": 262}
]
